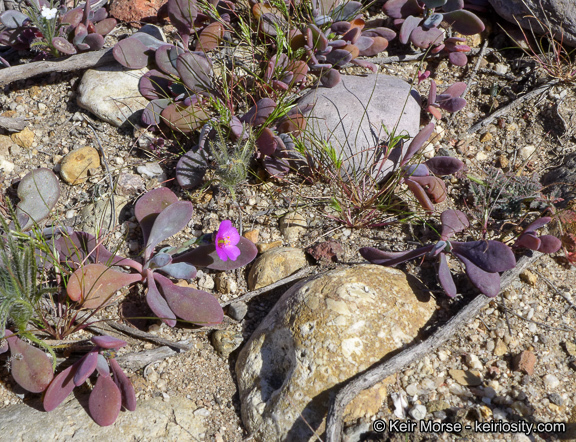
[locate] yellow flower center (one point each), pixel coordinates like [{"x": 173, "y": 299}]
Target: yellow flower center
[{"x": 225, "y": 241}]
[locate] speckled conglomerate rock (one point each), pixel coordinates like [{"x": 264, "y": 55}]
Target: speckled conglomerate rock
[
  {"x": 560, "y": 14},
  {"x": 320, "y": 333}
]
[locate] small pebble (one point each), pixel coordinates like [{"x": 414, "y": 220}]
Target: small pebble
[
  {"x": 237, "y": 310},
  {"x": 551, "y": 381},
  {"x": 555, "y": 398},
  {"x": 418, "y": 412}
]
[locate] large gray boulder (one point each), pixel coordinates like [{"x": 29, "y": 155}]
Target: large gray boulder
[
  {"x": 322, "y": 332},
  {"x": 358, "y": 114},
  {"x": 561, "y": 14}
]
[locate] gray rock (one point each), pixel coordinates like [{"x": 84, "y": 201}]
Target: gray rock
[
  {"x": 292, "y": 225},
  {"x": 562, "y": 180},
  {"x": 237, "y": 310},
  {"x": 322, "y": 332},
  {"x": 561, "y": 14},
  {"x": 355, "y": 115},
  {"x": 226, "y": 341},
  {"x": 418, "y": 412},
  {"x": 151, "y": 170},
  {"x": 274, "y": 265},
  {"x": 96, "y": 217},
  {"x": 111, "y": 93},
  {"x": 153, "y": 420}
]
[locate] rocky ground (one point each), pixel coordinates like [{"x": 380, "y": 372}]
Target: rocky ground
[{"x": 515, "y": 361}]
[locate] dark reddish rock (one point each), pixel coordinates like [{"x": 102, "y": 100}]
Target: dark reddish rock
[
  {"x": 327, "y": 251},
  {"x": 525, "y": 362},
  {"x": 130, "y": 184},
  {"x": 135, "y": 11}
]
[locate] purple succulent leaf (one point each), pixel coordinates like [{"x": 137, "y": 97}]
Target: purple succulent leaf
[
  {"x": 458, "y": 58},
  {"x": 407, "y": 28},
  {"x": 13, "y": 19},
  {"x": 153, "y": 111},
  {"x": 453, "y": 104},
  {"x": 339, "y": 57},
  {"x": 259, "y": 113},
  {"x": 549, "y": 244},
  {"x": 402, "y": 8},
  {"x": 539, "y": 223},
  {"x": 102, "y": 366},
  {"x": 455, "y": 90},
  {"x": 82, "y": 46},
  {"x": 64, "y": 45},
  {"x": 491, "y": 256},
  {"x": 379, "y": 44},
  {"x": 86, "y": 367},
  {"x": 182, "y": 14},
  {"x": 464, "y": 22},
  {"x": 4, "y": 63},
  {"x": 72, "y": 17},
  {"x": 267, "y": 142},
  {"x": 75, "y": 247},
  {"x": 453, "y": 221},
  {"x": 453, "y": 5},
  {"x": 131, "y": 53},
  {"x": 181, "y": 270},
  {"x": 424, "y": 38},
  {"x": 94, "y": 284},
  {"x": 166, "y": 56},
  {"x": 59, "y": 389},
  {"x": 390, "y": 259},
  {"x": 432, "y": 93},
  {"x": 445, "y": 277},
  {"x": 352, "y": 35},
  {"x": 277, "y": 166},
  {"x": 442, "y": 166},
  {"x": 346, "y": 11},
  {"x": 365, "y": 64},
  {"x": 363, "y": 43},
  {"x": 150, "y": 205},
  {"x": 420, "y": 195},
  {"x": 528, "y": 240},
  {"x": 169, "y": 222},
  {"x": 416, "y": 170},
  {"x": 105, "y": 26},
  {"x": 31, "y": 368},
  {"x": 206, "y": 256},
  {"x": 386, "y": 33},
  {"x": 434, "y": 187},
  {"x": 330, "y": 78},
  {"x": 108, "y": 342},
  {"x": 159, "y": 260},
  {"x": 157, "y": 303},
  {"x": 124, "y": 385},
  {"x": 432, "y": 21},
  {"x": 194, "y": 69},
  {"x": 417, "y": 142},
  {"x": 432, "y": 4},
  {"x": 155, "y": 85},
  {"x": 105, "y": 401},
  {"x": 94, "y": 41},
  {"x": 340, "y": 27},
  {"x": 192, "y": 305},
  {"x": 488, "y": 283},
  {"x": 439, "y": 247}
]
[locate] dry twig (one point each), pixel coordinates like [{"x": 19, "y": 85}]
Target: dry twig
[
  {"x": 69, "y": 64},
  {"x": 413, "y": 353},
  {"x": 503, "y": 111}
]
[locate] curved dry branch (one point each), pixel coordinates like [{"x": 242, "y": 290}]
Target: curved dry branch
[
  {"x": 69, "y": 64},
  {"x": 413, "y": 353}
]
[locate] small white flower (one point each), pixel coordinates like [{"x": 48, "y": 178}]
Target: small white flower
[{"x": 48, "y": 13}]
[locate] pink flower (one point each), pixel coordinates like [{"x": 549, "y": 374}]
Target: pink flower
[{"x": 226, "y": 240}]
